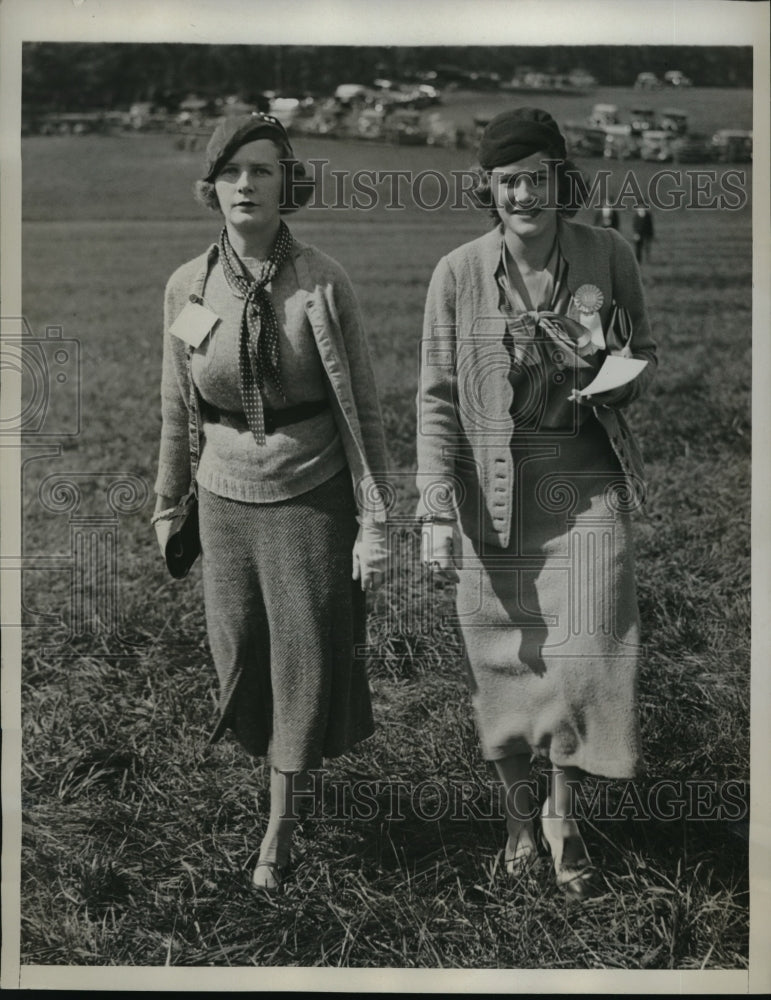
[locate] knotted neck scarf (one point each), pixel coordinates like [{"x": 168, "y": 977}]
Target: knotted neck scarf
[
  {"x": 259, "y": 356},
  {"x": 533, "y": 327}
]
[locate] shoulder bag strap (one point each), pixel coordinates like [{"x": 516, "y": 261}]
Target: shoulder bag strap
[{"x": 193, "y": 424}]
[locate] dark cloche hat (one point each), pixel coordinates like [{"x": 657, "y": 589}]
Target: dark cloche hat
[
  {"x": 233, "y": 132},
  {"x": 512, "y": 135}
]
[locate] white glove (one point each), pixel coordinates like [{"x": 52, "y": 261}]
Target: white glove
[
  {"x": 438, "y": 549},
  {"x": 370, "y": 554}
]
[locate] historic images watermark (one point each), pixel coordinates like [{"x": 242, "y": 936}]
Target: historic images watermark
[
  {"x": 669, "y": 189},
  {"x": 394, "y": 800}
]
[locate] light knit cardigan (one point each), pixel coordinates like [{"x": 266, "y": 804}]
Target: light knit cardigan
[
  {"x": 465, "y": 394},
  {"x": 335, "y": 320}
]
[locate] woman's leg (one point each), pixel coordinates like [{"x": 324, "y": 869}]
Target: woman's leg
[
  {"x": 276, "y": 843},
  {"x": 566, "y": 783},
  {"x": 521, "y": 850},
  {"x": 560, "y": 829}
]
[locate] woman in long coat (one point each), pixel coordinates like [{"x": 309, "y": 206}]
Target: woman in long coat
[
  {"x": 527, "y": 484},
  {"x": 270, "y": 411}
]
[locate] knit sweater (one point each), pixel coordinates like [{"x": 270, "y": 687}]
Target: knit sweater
[
  {"x": 297, "y": 457},
  {"x": 465, "y": 425},
  {"x": 330, "y": 306}
]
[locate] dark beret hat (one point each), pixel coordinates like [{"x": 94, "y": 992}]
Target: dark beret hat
[
  {"x": 233, "y": 132},
  {"x": 513, "y": 135}
]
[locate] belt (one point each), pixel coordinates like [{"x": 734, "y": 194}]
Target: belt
[
  {"x": 273, "y": 418},
  {"x": 293, "y": 414}
]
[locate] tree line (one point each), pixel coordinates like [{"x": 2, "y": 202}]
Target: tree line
[{"x": 75, "y": 75}]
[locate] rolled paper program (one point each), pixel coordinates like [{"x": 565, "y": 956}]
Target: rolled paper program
[{"x": 615, "y": 372}]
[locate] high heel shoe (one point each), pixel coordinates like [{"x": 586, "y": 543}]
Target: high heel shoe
[
  {"x": 269, "y": 876},
  {"x": 577, "y": 876},
  {"x": 520, "y": 858}
]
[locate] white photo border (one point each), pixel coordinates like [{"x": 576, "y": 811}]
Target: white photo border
[{"x": 397, "y": 22}]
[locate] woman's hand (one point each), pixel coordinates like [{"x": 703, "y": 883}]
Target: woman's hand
[
  {"x": 369, "y": 555},
  {"x": 437, "y": 547},
  {"x": 613, "y": 397}
]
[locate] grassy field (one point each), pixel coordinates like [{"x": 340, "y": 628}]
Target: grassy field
[{"x": 139, "y": 839}]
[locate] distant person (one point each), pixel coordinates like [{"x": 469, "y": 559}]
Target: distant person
[
  {"x": 273, "y": 420},
  {"x": 527, "y": 488},
  {"x": 642, "y": 231},
  {"x": 606, "y": 216}
]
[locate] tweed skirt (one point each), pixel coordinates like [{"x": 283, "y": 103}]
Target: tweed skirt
[
  {"x": 284, "y": 620},
  {"x": 550, "y": 624}
]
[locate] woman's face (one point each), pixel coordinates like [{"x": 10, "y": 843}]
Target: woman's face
[
  {"x": 524, "y": 195},
  {"x": 249, "y": 186}
]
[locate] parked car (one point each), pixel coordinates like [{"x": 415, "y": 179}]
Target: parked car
[
  {"x": 285, "y": 109},
  {"x": 348, "y": 92},
  {"x": 146, "y": 116},
  {"x": 695, "y": 147},
  {"x": 673, "y": 120},
  {"x": 647, "y": 81},
  {"x": 655, "y": 144},
  {"x": 428, "y": 95},
  {"x": 234, "y": 105},
  {"x": 603, "y": 115},
  {"x": 581, "y": 80},
  {"x": 731, "y": 145},
  {"x": 641, "y": 119},
  {"x": 192, "y": 108},
  {"x": 321, "y": 122},
  {"x": 584, "y": 140},
  {"x": 405, "y": 129},
  {"x": 620, "y": 142},
  {"x": 78, "y": 122},
  {"x": 440, "y": 131},
  {"x": 369, "y": 124},
  {"x": 674, "y": 78},
  {"x": 483, "y": 81}
]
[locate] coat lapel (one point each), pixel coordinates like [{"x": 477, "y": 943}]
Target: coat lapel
[{"x": 587, "y": 258}]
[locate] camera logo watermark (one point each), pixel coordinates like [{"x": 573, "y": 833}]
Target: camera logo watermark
[
  {"x": 47, "y": 373},
  {"x": 48, "y": 370}
]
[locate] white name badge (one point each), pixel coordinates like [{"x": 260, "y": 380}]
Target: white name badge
[{"x": 194, "y": 324}]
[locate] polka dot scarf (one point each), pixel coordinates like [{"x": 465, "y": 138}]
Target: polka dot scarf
[{"x": 259, "y": 356}]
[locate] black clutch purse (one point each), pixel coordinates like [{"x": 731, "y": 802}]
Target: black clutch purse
[
  {"x": 177, "y": 531},
  {"x": 176, "y": 528}
]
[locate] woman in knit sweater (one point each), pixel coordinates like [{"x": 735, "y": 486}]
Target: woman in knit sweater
[
  {"x": 267, "y": 377},
  {"x": 527, "y": 483}
]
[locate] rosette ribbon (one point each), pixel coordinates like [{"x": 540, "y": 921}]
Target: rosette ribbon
[{"x": 587, "y": 301}]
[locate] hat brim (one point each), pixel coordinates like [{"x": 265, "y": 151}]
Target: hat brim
[{"x": 246, "y": 133}]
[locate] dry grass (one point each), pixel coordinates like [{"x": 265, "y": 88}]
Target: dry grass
[{"x": 138, "y": 838}]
